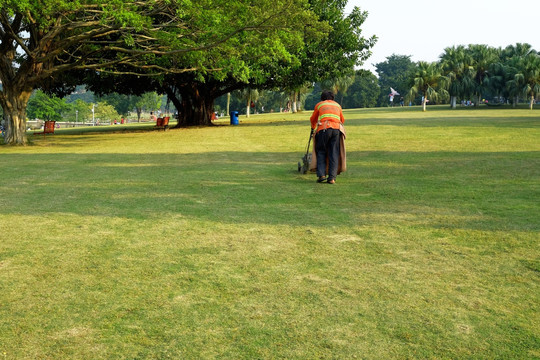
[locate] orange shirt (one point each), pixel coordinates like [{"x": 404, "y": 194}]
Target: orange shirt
[{"x": 327, "y": 114}]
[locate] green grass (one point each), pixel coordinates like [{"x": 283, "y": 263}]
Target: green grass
[{"x": 206, "y": 243}]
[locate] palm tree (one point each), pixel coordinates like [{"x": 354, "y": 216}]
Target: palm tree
[
  {"x": 456, "y": 64},
  {"x": 513, "y": 84},
  {"x": 511, "y": 63},
  {"x": 483, "y": 57},
  {"x": 339, "y": 85},
  {"x": 516, "y": 50},
  {"x": 428, "y": 80},
  {"x": 527, "y": 77}
]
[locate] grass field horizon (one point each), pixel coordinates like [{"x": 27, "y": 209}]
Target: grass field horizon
[{"x": 206, "y": 243}]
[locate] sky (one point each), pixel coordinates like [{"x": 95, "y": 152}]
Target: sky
[{"x": 424, "y": 28}]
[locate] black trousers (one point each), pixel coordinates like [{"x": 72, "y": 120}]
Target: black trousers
[{"x": 327, "y": 147}]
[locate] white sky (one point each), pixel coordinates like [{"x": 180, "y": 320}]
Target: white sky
[{"x": 424, "y": 28}]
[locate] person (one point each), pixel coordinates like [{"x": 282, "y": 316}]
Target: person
[
  {"x": 327, "y": 123},
  {"x": 153, "y": 117}
]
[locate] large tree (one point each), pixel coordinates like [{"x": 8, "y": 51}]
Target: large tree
[
  {"x": 280, "y": 46},
  {"x": 274, "y": 30},
  {"x": 526, "y": 77},
  {"x": 314, "y": 41},
  {"x": 364, "y": 91},
  {"x": 513, "y": 68},
  {"x": 42, "y": 41},
  {"x": 482, "y": 57},
  {"x": 394, "y": 73},
  {"x": 44, "y": 107},
  {"x": 457, "y": 66}
]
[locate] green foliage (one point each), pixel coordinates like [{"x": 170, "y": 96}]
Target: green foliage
[
  {"x": 105, "y": 113},
  {"x": 427, "y": 80},
  {"x": 524, "y": 74},
  {"x": 456, "y": 64},
  {"x": 45, "y": 42},
  {"x": 482, "y": 57},
  {"x": 44, "y": 107},
  {"x": 254, "y": 42},
  {"x": 235, "y": 104},
  {"x": 338, "y": 86},
  {"x": 149, "y": 101},
  {"x": 364, "y": 91},
  {"x": 123, "y": 104},
  {"x": 394, "y": 73},
  {"x": 213, "y": 40},
  {"x": 479, "y": 71},
  {"x": 81, "y": 93},
  {"x": 80, "y": 111},
  {"x": 334, "y": 55}
]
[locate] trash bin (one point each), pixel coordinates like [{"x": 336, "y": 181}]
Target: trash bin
[{"x": 234, "y": 117}]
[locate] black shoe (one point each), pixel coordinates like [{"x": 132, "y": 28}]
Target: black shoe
[
  {"x": 321, "y": 179},
  {"x": 331, "y": 181}
]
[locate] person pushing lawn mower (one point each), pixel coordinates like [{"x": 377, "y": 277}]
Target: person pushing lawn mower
[{"x": 329, "y": 156}]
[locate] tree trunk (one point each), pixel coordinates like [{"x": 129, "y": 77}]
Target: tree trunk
[
  {"x": 14, "y": 103},
  {"x": 194, "y": 102},
  {"x": 295, "y": 102},
  {"x": 194, "y": 109},
  {"x": 453, "y": 101},
  {"x": 424, "y": 102},
  {"x": 248, "y": 104},
  {"x": 228, "y": 102},
  {"x": 531, "y": 104}
]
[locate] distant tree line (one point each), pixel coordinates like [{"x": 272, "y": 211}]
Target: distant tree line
[
  {"x": 472, "y": 73},
  {"x": 468, "y": 75}
]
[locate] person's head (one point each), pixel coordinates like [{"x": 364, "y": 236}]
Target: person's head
[{"x": 327, "y": 95}]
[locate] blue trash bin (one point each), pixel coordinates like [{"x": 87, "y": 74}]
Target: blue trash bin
[{"x": 234, "y": 117}]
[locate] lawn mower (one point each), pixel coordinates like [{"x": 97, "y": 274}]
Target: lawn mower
[{"x": 303, "y": 166}]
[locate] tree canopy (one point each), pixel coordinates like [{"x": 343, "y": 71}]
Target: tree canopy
[
  {"x": 45, "y": 107},
  {"x": 427, "y": 79},
  {"x": 51, "y": 45},
  {"x": 284, "y": 52},
  {"x": 394, "y": 73},
  {"x": 363, "y": 92},
  {"x": 477, "y": 71},
  {"x": 42, "y": 40}
]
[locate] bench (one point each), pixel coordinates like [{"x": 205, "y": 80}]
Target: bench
[
  {"x": 162, "y": 123},
  {"x": 48, "y": 128}
]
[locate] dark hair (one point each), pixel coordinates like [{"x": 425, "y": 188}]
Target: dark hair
[{"x": 327, "y": 95}]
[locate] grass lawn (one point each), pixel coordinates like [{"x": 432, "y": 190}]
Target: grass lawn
[{"x": 206, "y": 243}]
